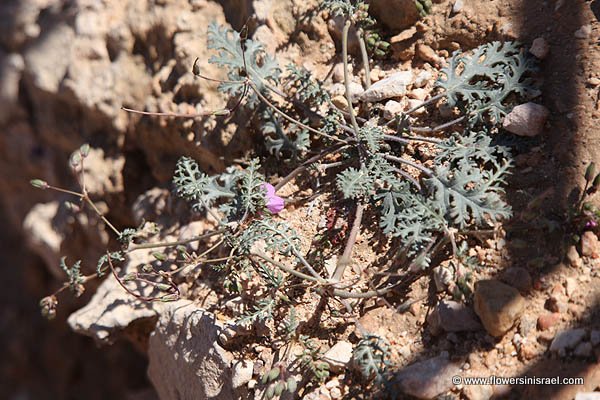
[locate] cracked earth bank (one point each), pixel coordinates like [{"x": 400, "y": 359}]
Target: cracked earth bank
[{"x": 66, "y": 69}]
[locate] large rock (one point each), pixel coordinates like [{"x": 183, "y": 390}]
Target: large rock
[
  {"x": 390, "y": 87},
  {"x": 590, "y": 245},
  {"x": 186, "y": 362},
  {"x": 426, "y": 379},
  {"x": 395, "y": 14},
  {"x": 339, "y": 355},
  {"x": 451, "y": 316},
  {"x": 498, "y": 306},
  {"x": 567, "y": 339},
  {"x": 526, "y": 119}
]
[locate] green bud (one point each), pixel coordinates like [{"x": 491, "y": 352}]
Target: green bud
[
  {"x": 84, "y": 150},
  {"x": 221, "y": 113},
  {"x": 264, "y": 379},
  {"x": 147, "y": 268},
  {"x": 163, "y": 286},
  {"x": 159, "y": 256},
  {"x": 75, "y": 160},
  {"x": 273, "y": 374},
  {"x": 38, "y": 183},
  {"x": 279, "y": 388},
  {"x": 72, "y": 207},
  {"x": 169, "y": 297},
  {"x": 292, "y": 385},
  {"x": 590, "y": 171},
  {"x": 596, "y": 182},
  {"x": 419, "y": 7},
  {"x": 181, "y": 249},
  {"x": 270, "y": 392},
  {"x": 384, "y": 45},
  {"x": 129, "y": 277}
]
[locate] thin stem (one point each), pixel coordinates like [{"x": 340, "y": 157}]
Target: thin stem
[
  {"x": 66, "y": 285},
  {"x": 298, "y": 170},
  {"x": 138, "y": 296},
  {"x": 407, "y": 139},
  {"x": 221, "y": 113},
  {"x": 66, "y": 191},
  {"x": 286, "y": 268},
  {"x": 408, "y": 162},
  {"x": 177, "y": 243},
  {"x": 439, "y": 127},
  {"x": 407, "y": 177},
  {"x": 196, "y": 72},
  {"x": 307, "y": 265},
  {"x": 102, "y": 217},
  {"x": 292, "y": 120},
  {"x": 346, "y": 257},
  {"x": 347, "y": 78},
  {"x": 425, "y": 103},
  {"x": 365, "y": 57}
]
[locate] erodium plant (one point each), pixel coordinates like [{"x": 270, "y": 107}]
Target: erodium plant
[{"x": 363, "y": 165}]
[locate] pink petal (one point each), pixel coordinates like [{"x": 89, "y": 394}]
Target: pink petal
[
  {"x": 275, "y": 204},
  {"x": 269, "y": 188}
]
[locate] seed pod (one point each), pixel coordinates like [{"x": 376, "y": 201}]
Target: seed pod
[
  {"x": 279, "y": 388},
  {"x": 273, "y": 374},
  {"x": 84, "y": 150},
  {"x": 264, "y": 379},
  {"x": 75, "y": 160},
  {"x": 38, "y": 183},
  {"x": 596, "y": 182},
  {"x": 221, "y": 113},
  {"x": 164, "y": 287},
  {"x": 169, "y": 297},
  {"x": 590, "y": 171},
  {"x": 292, "y": 385},
  {"x": 270, "y": 392}
]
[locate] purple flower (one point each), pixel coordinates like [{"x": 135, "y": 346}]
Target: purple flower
[
  {"x": 591, "y": 224},
  {"x": 274, "y": 202}
]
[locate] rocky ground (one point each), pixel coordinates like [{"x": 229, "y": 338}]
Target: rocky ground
[{"x": 67, "y": 67}]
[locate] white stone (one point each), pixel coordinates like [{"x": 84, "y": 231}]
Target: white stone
[
  {"x": 242, "y": 373},
  {"x": 427, "y": 379},
  {"x": 595, "y": 337},
  {"x": 583, "y": 350},
  {"x": 418, "y": 94},
  {"x": 185, "y": 360},
  {"x": 587, "y": 396},
  {"x": 567, "y": 339},
  {"x": 390, "y": 87},
  {"x": 422, "y": 79},
  {"x": 584, "y": 32},
  {"x": 539, "y": 48},
  {"x": 339, "y": 355},
  {"x": 526, "y": 119},
  {"x": 458, "y": 6},
  {"x": 391, "y": 109}
]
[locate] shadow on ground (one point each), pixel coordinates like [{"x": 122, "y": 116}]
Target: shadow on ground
[{"x": 540, "y": 193}]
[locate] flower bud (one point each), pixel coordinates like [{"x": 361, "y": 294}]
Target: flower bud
[
  {"x": 84, "y": 150},
  {"x": 40, "y": 184},
  {"x": 590, "y": 171},
  {"x": 163, "y": 287},
  {"x": 596, "y": 182},
  {"x": 169, "y": 297},
  {"x": 159, "y": 256},
  {"x": 292, "y": 385}
]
